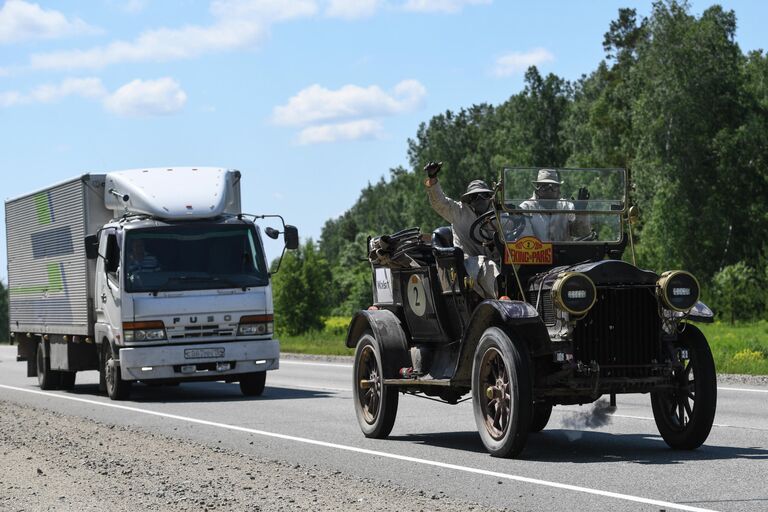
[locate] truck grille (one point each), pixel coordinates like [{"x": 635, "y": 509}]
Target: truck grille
[
  {"x": 621, "y": 332},
  {"x": 199, "y": 331}
]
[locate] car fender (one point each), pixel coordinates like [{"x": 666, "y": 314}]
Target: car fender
[
  {"x": 700, "y": 312},
  {"x": 519, "y": 319},
  {"x": 390, "y": 337}
]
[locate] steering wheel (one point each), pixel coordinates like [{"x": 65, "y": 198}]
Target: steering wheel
[{"x": 483, "y": 229}]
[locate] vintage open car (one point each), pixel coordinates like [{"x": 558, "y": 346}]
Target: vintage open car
[{"x": 574, "y": 321}]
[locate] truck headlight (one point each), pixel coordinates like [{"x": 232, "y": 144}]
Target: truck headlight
[
  {"x": 255, "y": 325},
  {"x": 144, "y": 331},
  {"x": 678, "y": 290},
  {"x": 574, "y": 292}
]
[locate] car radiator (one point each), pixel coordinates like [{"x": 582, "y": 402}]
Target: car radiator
[{"x": 622, "y": 332}]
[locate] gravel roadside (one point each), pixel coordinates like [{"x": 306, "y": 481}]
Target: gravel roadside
[{"x": 57, "y": 462}]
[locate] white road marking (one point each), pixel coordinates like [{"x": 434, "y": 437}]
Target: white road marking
[
  {"x": 426, "y": 462},
  {"x": 310, "y": 363},
  {"x": 748, "y": 390}
]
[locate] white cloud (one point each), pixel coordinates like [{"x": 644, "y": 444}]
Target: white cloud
[
  {"x": 83, "y": 87},
  {"x": 517, "y": 62},
  {"x": 239, "y": 24},
  {"x": 352, "y": 9},
  {"x": 446, "y": 6},
  {"x": 316, "y": 103},
  {"x": 90, "y": 88},
  {"x": 11, "y": 98},
  {"x": 265, "y": 11},
  {"x": 134, "y": 6},
  {"x": 353, "y": 130},
  {"x": 142, "y": 98},
  {"x": 139, "y": 98},
  {"x": 23, "y": 21}
]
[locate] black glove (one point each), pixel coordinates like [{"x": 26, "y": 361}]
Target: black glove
[
  {"x": 583, "y": 197},
  {"x": 433, "y": 168}
]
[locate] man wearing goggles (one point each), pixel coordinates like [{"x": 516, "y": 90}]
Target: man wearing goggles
[
  {"x": 476, "y": 200},
  {"x": 554, "y": 227}
]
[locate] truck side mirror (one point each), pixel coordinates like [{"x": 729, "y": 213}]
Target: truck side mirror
[
  {"x": 91, "y": 247},
  {"x": 291, "y": 237},
  {"x": 272, "y": 233}
]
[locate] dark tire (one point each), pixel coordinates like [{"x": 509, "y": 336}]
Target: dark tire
[
  {"x": 116, "y": 387},
  {"x": 541, "y": 414},
  {"x": 67, "y": 380},
  {"x": 375, "y": 403},
  {"x": 252, "y": 384},
  {"x": 684, "y": 415},
  {"x": 47, "y": 379},
  {"x": 501, "y": 393}
]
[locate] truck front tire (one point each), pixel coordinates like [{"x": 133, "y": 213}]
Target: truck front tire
[
  {"x": 116, "y": 387},
  {"x": 252, "y": 384}
]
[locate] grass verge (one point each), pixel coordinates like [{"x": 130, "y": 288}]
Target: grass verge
[
  {"x": 319, "y": 342},
  {"x": 739, "y": 348}
]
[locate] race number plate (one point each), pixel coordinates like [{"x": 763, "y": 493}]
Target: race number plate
[
  {"x": 528, "y": 250},
  {"x": 203, "y": 353}
]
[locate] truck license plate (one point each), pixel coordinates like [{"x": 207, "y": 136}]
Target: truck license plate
[{"x": 203, "y": 353}]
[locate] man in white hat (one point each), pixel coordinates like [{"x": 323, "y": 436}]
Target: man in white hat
[
  {"x": 554, "y": 227},
  {"x": 478, "y": 259}
]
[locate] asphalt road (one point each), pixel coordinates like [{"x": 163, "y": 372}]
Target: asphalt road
[{"x": 306, "y": 417}]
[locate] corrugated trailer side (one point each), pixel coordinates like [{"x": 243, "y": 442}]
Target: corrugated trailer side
[{"x": 49, "y": 277}]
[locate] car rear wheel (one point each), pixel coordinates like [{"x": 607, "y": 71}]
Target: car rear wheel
[
  {"x": 252, "y": 384},
  {"x": 684, "y": 415},
  {"x": 501, "y": 393},
  {"x": 375, "y": 403}
]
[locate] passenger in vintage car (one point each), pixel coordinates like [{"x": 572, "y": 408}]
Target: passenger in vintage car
[{"x": 554, "y": 227}]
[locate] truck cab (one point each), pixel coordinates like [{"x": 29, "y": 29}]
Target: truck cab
[{"x": 178, "y": 286}]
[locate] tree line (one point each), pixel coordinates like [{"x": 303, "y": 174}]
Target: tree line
[{"x": 675, "y": 101}]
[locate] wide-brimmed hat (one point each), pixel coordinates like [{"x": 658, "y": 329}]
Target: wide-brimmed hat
[
  {"x": 475, "y": 187},
  {"x": 548, "y": 176}
]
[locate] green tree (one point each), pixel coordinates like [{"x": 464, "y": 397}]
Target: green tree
[
  {"x": 688, "y": 110},
  {"x": 738, "y": 293},
  {"x": 4, "y": 327},
  {"x": 300, "y": 290}
]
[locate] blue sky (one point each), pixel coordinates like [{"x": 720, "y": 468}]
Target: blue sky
[{"x": 310, "y": 99}]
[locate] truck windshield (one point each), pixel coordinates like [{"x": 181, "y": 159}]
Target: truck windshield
[{"x": 193, "y": 257}]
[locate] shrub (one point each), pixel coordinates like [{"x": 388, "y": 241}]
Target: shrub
[{"x": 739, "y": 293}]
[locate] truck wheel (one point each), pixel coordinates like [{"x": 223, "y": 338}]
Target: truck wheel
[
  {"x": 501, "y": 393},
  {"x": 117, "y": 388},
  {"x": 46, "y": 378},
  {"x": 684, "y": 415},
  {"x": 252, "y": 384},
  {"x": 541, "y": 414},
  {"x": 67, "y": 380},
  {"x": 375, "y": 403}
]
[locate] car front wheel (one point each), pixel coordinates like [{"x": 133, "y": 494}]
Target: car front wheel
[
  {"x": 685, "y": 413},
  {"x": 501, "y": 393}
]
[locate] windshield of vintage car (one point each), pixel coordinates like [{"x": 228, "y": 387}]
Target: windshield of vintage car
[
  {"x": 193, "y": 257},
  {"x": 563, "y": 205}
]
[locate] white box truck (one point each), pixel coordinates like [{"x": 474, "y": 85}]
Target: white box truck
[{"x": 151, "y": 275}]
